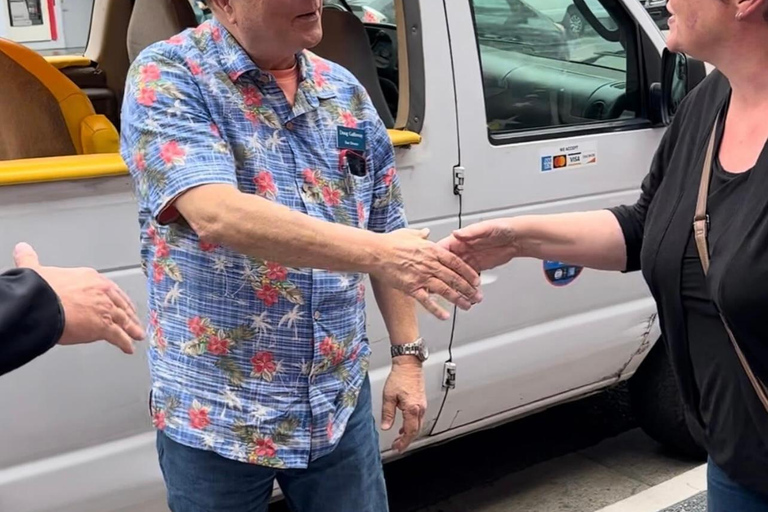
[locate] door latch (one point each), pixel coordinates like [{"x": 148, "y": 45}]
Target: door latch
[
  {"x": 458, "y": 180},
  {"x": 449, "y": 375}
]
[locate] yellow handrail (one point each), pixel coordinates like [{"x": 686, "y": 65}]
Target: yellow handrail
[
  {"x": 68, "y": 61},
  {"x": 61, "y": 168},
  {"x": 404, "y": 138},
  {"x": 81, "y": 167}
]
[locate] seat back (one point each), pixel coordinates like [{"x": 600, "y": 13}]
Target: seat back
[
  {"x": 43, "y": 113},
  {"x": 157, "y": 20},
  {"x": 345, "y": 42}
]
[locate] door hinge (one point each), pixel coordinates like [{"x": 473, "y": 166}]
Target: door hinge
[
  {"x": 449, "y": 375},
  {"x": 458, "y": 180}
]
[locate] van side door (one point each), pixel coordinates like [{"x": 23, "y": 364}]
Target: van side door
[{"x": 553, "y": 117}]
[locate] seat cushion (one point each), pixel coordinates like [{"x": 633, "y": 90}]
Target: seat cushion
[
  {"x": 31, "y": 119},
  {"x": 73, "y": 104}
]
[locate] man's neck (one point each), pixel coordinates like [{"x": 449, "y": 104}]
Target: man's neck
[
  {"x": 266, "y": 57},
  {"x": 268, "y": 63}
]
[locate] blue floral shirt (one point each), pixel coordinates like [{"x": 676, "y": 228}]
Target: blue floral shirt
[{"x": 255, "y": 361}]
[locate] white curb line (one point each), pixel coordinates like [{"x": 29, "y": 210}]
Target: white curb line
[{"x": 664, "y": 495}]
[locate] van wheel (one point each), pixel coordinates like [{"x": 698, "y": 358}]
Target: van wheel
[
  {"x": 574, "y": 23},
  {"x": 657, "y": 405}
]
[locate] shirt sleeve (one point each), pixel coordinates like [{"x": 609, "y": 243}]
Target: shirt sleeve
[
  {"x": 632, "y": 217},
  {"x": 387, "y": 211},
  {"x": 31, "y": 318},
  {"x": 168, "y": 138}
]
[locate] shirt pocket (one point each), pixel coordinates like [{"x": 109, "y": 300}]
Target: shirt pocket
[{"x": 361, "y": 197}]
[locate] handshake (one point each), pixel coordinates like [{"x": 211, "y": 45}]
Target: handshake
[{"x": 449, "y": 268}]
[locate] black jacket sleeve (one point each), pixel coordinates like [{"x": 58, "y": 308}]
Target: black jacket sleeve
[
  {"x": 31, "y": 318},
  {"x": 632, "y": 217}
]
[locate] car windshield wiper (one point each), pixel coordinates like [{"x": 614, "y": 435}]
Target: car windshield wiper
[
  {"x": 593, "y": 61},
  {"x": 599, "y": 55},
  {"x": 497, "y": 39}
]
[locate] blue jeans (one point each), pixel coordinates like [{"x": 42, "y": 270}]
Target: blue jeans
[
  {"x": 349, "y": 479},
  {"x": 725, "y": 495}
]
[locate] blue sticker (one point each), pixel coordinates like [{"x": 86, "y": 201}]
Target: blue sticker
[
  {"x": 546, "y": 163},
  {"x": 350, "y": 138},
  {"x": 561, "y": 274}
]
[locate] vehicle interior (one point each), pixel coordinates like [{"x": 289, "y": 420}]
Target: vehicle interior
[
  {"x": 529, "y": 86},
  {"x": 66, "y": 109}
]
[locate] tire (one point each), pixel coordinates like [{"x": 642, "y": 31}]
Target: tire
[
  {"x": 574, "y": 24},
  {"x": 658, "y": 407}
]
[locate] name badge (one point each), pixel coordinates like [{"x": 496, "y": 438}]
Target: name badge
[{"x": 350, "y": 138}]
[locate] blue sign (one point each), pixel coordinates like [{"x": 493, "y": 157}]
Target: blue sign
[
  {"x": 546, "y": 163},
  {"x": 561, "y": 274},
  {"x": 350, "y": 138}
]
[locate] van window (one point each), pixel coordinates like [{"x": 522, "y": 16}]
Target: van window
[
  {"x": 380, "y": 20},
  {"x": 378, "y": 12},
  {"x": 547, "y": 64},
  {"x": 202, "y": 11},
  {"x": 49, "y": 28}
]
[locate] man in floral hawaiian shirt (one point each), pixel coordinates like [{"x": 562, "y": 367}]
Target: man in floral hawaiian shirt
[{"x": 267, "y": 190}]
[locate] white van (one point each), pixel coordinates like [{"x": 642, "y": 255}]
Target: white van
[{"x": 494, "y": 112}]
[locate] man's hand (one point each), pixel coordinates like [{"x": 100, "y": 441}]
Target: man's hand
[
  {"x": 484, "y": 245},
  {"x": 95, "y": 308},
  {"x": 418, "y": 267},
  {"x": 404, "y": 390}
]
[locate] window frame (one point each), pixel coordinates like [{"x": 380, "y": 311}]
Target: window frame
[
  {"x": 410, "y": 61},
  {"x": 412, "y": 105},
  {"x": 634, "y": 47}
]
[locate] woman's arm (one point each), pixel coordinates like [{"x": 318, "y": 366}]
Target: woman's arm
[
  {"x": 604, "y": 239},
  {"x": 590, "y": 239}
]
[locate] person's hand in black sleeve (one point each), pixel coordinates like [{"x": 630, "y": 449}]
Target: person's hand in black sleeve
[{"x": 41, "y": 306}]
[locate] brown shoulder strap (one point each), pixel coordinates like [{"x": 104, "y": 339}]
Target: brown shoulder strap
[
  {"x": 700, "y": 227},
  {"x": 701, "y": 219}
]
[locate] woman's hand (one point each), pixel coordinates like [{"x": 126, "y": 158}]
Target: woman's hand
[{"x": 484, "y": 245}]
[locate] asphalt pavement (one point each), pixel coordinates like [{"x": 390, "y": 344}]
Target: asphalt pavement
[{"x": 577, "y": 457}]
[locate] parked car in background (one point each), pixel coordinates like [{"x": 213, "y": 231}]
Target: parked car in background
[
  {"x": 577, "y": 26},
  {"x": 515, "y": 25},
  {"x": 374, "y": 11}
]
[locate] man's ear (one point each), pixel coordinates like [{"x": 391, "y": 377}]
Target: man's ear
[
  {"x": 747, "y": 9},
  {"x": 223, "y": 7}
]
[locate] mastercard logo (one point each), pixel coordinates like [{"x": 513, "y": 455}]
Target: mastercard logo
[{"x": 559, "y": 161}]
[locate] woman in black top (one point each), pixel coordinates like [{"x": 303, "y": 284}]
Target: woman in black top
[{"x": 723, "y": 410}]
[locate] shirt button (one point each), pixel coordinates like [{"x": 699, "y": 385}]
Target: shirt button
[
  {"x": 289, "y": 125},
  {"x": 318, "y": 316}
]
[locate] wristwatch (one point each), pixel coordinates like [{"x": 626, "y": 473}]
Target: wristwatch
[{"x": 417, "y": 348}]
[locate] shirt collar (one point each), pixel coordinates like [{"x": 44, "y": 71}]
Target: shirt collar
[{"x": 235, "y": 62}]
